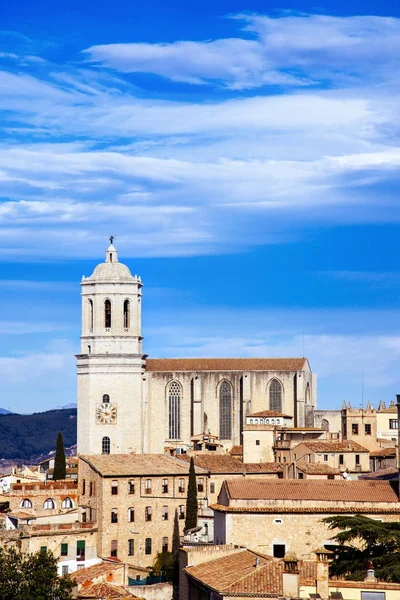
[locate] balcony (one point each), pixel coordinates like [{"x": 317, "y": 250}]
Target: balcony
[{"x": 283, "y": 443}]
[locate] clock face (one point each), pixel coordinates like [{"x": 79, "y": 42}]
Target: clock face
[{"x": 106, "y": 413}]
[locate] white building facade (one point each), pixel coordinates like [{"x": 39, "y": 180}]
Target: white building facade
[{"x": 130, "y": 403}]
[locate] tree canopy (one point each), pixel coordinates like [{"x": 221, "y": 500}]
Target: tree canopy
[
  {"x": 360, "y": 540},
  {"x": 32, "y": 577},
  {"x": 60, "y": 469},
  {"x": 191, "y": 501}
]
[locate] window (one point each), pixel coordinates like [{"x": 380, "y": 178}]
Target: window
[
  {"x": 212, "y": 488},
  {"x": 275, "y": 396},
  {"x": 107, "y": 314},
  {"x": 64, "y": 570},
  {"x": 278, "y": 521},
  {"x": 147, "y": 546},
  {"x": 165, "y": 486},
  {"x": 257, "y": 442},
  {"x": 181, "y": 486},
  {"x": 393, "y": 423},
  {"x": 91, "y": 488},
  {"x": 164, "y": 547},
  {"x": 114, "y": 515},
  {"x": 67, "y": 503},
  {"x": 131, "y": 515},
  {"x": 106, "y": 398},
  {"x": 131, "y": 547},
  {"x": 300, "y": 475},
  {"x": 165, "y": 513},
  {"x": 341, "y": 459},
  {"x": 26, "y": 503},
  {"x": 91, "y": 315},
  {"x": 114, "y": 487},
  {"x": 64, "y": 550},
  {"x": 357, "y": 459},
  {"x": 114, "y": 548},
  {"x": 131, "y": 487},
  {"x": 279, "y": 550},
  {"x": 83, "y": 487},
  {"x": 373, "y": 595},
  {"x": 80, "y": 550},
  {"x": 43, "y": 548},
  {"x": 147, "y": 488},
  {"x": 354, "y": 428},
  {"x": 126, "y": 314},
  {"x": 105, "y": 445},
  {"x": 181, "y": 511},
  {"x": 367, "y": 429},
  {"x": 325, "y": 424},
  {"x": 330, "y": 476},
  {"x": 325, "y": 458},
  {"x": 225, "y": 411},
  {"x": 148, "y": 513},
  {"x": 174, "y": 411},
  {"x": 200, "y": 484},
  {"x": 49, "y": 504}
]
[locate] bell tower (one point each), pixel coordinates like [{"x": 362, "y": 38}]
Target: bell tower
[{"x": 110, "y": 412}]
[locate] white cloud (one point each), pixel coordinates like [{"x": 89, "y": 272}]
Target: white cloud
[{"x": 291, "y": 50}]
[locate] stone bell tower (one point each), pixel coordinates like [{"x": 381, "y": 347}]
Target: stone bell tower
[{"x": 111, "y": 418}]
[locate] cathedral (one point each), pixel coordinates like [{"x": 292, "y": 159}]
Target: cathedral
[{"x": 128, "y": 402}]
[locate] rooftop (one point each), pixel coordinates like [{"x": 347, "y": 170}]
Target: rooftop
[
  {"x": 383, "y": 452},
  {"x": 236, "y": 451},
  {"x": 105, "y": 591},
  {"x": 225, "y": 364},
  {"x": 247, "y": 573},
  {"x": 269, "y": 413},
  {"x": 332, "y": 446},
  {"x": 316, "y": 468},
  {"x": 89, "y": 573},
  {"x": 314, "y": 490},
  {"x": 225, "y": 463},
  {"x": 130, "y": 465}
]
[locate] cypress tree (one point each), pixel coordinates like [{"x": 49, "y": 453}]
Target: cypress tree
[
  {"x": 60, "y": 469},
  {"x": 191, "y": 501}
]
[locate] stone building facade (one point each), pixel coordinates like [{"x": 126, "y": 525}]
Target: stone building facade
[{"x": 130, "y": 403}]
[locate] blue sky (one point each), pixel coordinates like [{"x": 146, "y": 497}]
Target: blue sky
[{"x": 246, "y": 156}]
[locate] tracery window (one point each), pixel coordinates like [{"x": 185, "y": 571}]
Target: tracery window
[
  {"x": 275, "y": 396},
  {"x": 174, "y": 411},
  {"x": 225, "y": 411},
  {"x": 127, "y": 314},
  {"x": 105, "y": 445},
  {"x": 107, "y": 314}
]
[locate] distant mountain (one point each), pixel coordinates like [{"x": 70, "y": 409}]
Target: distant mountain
[
  {"x": 25, "y": 437},
  {"x": 70, "y": 405},
  {"x": 3, "y": 411}
]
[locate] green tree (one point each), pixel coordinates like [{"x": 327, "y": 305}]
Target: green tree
[
  {"x": 360, "y": 540},
  {"x": 32, "y": 577},
  {"x": 166, "y": 563},
  {"x": 191, "y": 501},
  {"x": 60, "y": 469}
]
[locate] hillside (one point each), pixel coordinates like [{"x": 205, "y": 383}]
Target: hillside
[{"x": 26, "y": 436}]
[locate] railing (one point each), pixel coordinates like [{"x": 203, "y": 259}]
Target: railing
[{"x": 282, "y": 443}]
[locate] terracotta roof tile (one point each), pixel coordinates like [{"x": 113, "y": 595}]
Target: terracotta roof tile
[
  {"x": 331, "y": 446},
  {"x": 247, "y": 572},
  {"x": 269, "y": 413},
  {"x": 224, "y": 463},
  {"x": 225, "y": 364},
  {"x": 136, "y": 464},
  {"x": 88, "y": 573},
  {"x": 103, "y": 591},
  {"x": 374, "y": 509},
  {"x": 236, "y": 451},
  {"x": 389, "y": 473},
  {"x": 314, "y": 490},
  {"x": 383, "y": 452},
  {"x": 316, "y": 468}
]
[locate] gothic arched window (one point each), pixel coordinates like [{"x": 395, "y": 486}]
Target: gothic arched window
[
  {"x": 26, "y": 503},
  {"x": 275, "y": 396},
  {"x": 308, "y": 394},
  {"x": 225, "y": 411},
  {"x": 127, "y": 316},
  {"x": 174, "y": 411},
  {"x": 105, "y": 445},
  {"x": 49, "y": 504},
  {"x": 107, "y": 314},
  {"x": 91, "y": 315},
  {"x": 325, "y": 424},
  {"x": 67, "y": 503}
]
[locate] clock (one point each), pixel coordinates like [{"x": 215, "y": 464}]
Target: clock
[{"x": 106, "y": 413}]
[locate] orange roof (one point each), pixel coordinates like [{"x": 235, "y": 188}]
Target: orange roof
[
  {"x": 247, "y": 573},
  {"x": 314, "y": 490},
  {"x": 224, "y": 463},
  {"x": 225, "y": 364},
  {"x": 316, "y": 469},
  {"x": 88, "y": 573},
  {"x": 236, "y": 451},
  {"x": 104, "y": 591},
  {"x": 130, "y": 465},
  {"x": 269, "y": 413},
  {"x": 383, "y": 452},
  {"x": 331, "y": 446}
]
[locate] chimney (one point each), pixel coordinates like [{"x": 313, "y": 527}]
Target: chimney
[
  {"x": 323, "y": 573},
  {"x": 370, "y": 578},
  {"x": 290, "y": 576},
  {"x": 398, "y": 442}
]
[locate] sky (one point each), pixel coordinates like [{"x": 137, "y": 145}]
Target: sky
[{"x": 246, "y": 157}]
